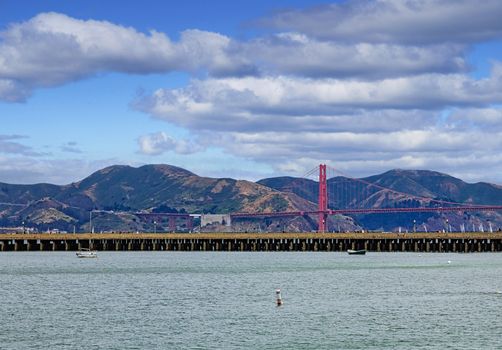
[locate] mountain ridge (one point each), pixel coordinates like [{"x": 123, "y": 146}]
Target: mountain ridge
[{"x": 158, "y": 187}]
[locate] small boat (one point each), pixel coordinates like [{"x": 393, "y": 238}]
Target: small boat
[
  {"x": 356, "y": 252},
  {"x": 87, "y": 253}
]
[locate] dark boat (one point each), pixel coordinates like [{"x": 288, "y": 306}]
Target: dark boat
[{"x": 356, "y": 252}]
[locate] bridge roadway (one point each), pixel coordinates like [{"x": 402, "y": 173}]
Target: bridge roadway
[
  {"x": 466, "y": 208},
  {"x": 375, "y": 242}
]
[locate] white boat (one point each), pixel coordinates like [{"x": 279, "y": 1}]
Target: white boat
[
  {"x": 87, "y": 253},
  {"x": 356, "y": 252}
]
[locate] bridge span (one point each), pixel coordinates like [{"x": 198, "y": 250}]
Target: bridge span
[{"x": 327, "y": 242}]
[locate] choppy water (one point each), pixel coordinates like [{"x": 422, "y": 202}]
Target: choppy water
[{"x": 166, "y": 300}]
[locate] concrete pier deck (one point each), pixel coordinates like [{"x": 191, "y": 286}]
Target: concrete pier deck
[{"x": 373, "y": 242}]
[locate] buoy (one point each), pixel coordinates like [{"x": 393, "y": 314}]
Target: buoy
[
  {"x": 449, "y": 261},
  {"x": 278, "y": 297}
]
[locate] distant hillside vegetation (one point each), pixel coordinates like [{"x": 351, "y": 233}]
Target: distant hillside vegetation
[
  {"x": 165, "y": 188},
  {"x": 155, "y": 188}
]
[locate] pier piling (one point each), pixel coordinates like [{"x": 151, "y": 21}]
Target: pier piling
[{"x": 326, "y": 242}]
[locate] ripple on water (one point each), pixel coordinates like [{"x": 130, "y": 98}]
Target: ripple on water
[{"x": 161, "y": 300}]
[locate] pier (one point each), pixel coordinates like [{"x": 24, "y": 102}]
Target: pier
[{"x": 260, "y": 242}]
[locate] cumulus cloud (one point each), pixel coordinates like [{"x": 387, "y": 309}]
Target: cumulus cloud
[
  {"x": 396, "y": 21},
  {"x": 254, "y": 102},
  {"x": 159, "y": 143},
  {"x": 52, "y": 49},
  {"x": 291, "y": 122},
  {"x": 479, "y": 118},
  {"x": 298, "y": 54}
]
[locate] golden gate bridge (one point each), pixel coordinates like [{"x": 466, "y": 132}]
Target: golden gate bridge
[
  {"x": 341, "y": 195},
  {"x": 323, "y": 211}
]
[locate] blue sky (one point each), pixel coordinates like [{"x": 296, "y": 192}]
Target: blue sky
[{"x": 250, "y": 89}]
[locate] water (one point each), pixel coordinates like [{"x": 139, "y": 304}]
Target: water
[{"x": 166, "y": 300}]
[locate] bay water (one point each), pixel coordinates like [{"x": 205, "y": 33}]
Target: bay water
[{"x": 226, "y": 300}]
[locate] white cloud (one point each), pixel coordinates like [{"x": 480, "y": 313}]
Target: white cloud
[
  {"x": 199, "y": 50},
  {"x": 159, "y": 143},
  {"x": 297, "y": 54},
  {"x": 286, "y": 149},
  {"x": 252, "y": 102},
  {"x": 397, "y": 21},
  {"x": 295, "y": 123},
  {"x": 52, "y": 49},
  {"x": 482, "y": 118}
]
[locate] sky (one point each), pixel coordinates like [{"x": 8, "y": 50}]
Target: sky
[{"x": 250, "y": 89}]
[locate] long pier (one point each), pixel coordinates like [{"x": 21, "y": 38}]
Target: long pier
[{"x": 327, "y": 242}]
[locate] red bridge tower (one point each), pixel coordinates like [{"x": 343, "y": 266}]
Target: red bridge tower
[{"x": 323, "y": 199}]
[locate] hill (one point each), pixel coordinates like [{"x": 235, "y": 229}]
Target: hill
[
  {"x": 118, "y": 191},
  {"x": 161, "y": 188}
]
